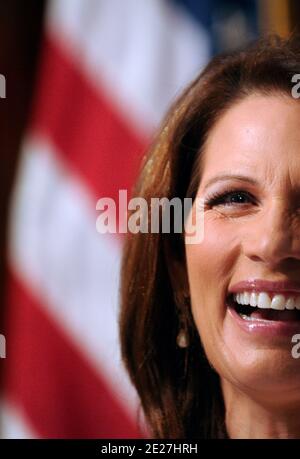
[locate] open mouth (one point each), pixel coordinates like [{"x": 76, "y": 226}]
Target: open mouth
[{"x": 249, "y": 306}]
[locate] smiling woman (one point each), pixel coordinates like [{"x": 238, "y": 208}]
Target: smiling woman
[{"x": 207, "y": 329}]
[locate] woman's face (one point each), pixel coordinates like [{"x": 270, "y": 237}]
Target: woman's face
[{"x": 251, "y": 188}]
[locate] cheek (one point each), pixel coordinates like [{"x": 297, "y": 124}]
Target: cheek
[
  {"x": 212, "y": 262},
  {"x": 211, "y": 265}
]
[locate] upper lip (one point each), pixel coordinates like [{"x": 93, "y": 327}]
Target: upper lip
[{"x": 261, "y": 285}]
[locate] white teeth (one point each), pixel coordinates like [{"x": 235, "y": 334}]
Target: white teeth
[
  {"x": 278, "y": 302},
  {"x": 290, "y": 304},
  {"x": 263, "y": 300},
  {"x": 297, "y": 302},
  {"x": 246, "y": 297},
  {"x": 253, "y": 299}
]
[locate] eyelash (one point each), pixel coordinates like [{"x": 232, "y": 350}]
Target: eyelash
[{"x": 218, "y": 198}]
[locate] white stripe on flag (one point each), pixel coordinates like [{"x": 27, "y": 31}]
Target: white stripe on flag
[
  {"x": 142, "y": 52},
  {"x": 57, "y": 252},
  {"x": 13, "y": 423}
]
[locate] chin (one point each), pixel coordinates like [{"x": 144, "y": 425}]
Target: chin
[{"x": 268, "y": 374}]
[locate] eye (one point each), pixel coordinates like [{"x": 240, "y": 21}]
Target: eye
[{"x": 230, "y": 198}]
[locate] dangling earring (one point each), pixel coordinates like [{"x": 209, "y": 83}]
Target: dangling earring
[
  {"x": 182, "y": 339},
  {"x": 182, "y": 301}
]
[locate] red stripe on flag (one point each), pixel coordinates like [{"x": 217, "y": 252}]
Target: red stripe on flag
[
  {"x": 51, "y": 381},
  {"x": 85, "y": 126}
]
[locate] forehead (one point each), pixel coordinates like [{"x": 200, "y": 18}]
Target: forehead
[{"x": 256, "y": 134}]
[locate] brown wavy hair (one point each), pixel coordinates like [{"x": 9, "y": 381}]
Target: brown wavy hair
[{"x": 179, "y": 390}]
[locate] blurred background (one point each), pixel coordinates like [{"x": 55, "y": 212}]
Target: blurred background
[{"x": 87, "y": 83}]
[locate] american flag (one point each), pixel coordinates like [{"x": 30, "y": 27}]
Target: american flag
[{"x": 108, "y": 71}]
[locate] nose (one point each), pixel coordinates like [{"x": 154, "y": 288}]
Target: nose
[{"x": 273, "y": 236}]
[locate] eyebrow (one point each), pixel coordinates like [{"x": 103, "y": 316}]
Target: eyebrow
[{"x": 224, "y": 177}]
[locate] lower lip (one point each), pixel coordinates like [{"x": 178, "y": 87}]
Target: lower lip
[{"x": 266, "y": 328}]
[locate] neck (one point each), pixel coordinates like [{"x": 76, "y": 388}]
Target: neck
[{"x": 249, "y": 417}]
